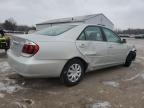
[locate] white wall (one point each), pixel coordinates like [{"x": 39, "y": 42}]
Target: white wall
[
  {"x": 67, "y": 23},
  {"x": 39, "y": 27},
  {"x": 102, "y": 20}
]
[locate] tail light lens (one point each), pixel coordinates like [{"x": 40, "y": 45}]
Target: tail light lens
[{"x": 29, "y": 49}]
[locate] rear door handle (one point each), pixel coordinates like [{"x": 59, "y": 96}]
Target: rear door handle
[{"x": 110, "y": 46}]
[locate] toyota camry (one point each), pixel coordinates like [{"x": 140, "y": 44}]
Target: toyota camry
[{"x": 68, "y": 52}]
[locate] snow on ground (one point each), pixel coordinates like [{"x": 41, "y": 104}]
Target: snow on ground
[
  {"x": 1, "y": 51},
  {"x": 139, "y": 75},
  {"x": 4, "y": 66},
  {"x": 142, "y": 75},
  {"x": 2, "y": 95},
  {"x": 111, "y": 83},
  {"x": 20, "y": 105},
  {"x": 9, "y": 88},
  {"x": 133, "y": 78},
  {"x": 24, "y": 103},
  {"x": 7, "y": 85},
  {"x": 101, "y": 105}
]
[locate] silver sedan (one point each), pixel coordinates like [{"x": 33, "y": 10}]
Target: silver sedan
[{"x": 68, "y": 52}]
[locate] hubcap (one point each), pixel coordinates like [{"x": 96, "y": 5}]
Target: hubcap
[{"x": 74, "y": 72}]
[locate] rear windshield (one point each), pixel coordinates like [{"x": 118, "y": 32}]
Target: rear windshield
[{"x": 55, "y": 30}]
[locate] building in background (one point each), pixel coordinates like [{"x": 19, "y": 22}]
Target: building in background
[{"x": 98, "y": 19}]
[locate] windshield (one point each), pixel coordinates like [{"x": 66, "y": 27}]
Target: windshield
[{"x": 55, "y": 30}]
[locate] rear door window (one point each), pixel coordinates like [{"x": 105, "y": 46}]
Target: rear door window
[{"x": 91, "y": 34}]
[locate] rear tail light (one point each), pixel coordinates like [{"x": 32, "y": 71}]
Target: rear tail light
[{"x": 29, "y": 49}]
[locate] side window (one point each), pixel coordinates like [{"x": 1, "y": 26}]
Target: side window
[
  {"x": 110, "y": 36},
  {"x": 91, "y": 34},
  {"x": 82, "y": 36}
]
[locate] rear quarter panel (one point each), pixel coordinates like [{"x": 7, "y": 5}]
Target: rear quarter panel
[{"x": 57, "y": 50}]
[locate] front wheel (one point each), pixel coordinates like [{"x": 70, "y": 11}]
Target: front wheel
[
  {"x": 72, "y": 72},
  {"x": 131, "y": 56}
]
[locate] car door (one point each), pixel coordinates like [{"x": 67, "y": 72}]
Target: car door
[
  {"x": 92, "y": 45},
  {"x": 116, "y": 49}
]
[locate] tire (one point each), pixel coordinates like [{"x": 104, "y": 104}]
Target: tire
[
  {"x": 6, "y": 50},
  {"x": 133, "y": 55},
  {"x": 129, "y": 59},
  {"x": 73, "y": 72}
]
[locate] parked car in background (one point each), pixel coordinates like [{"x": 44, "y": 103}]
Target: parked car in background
[
  {"x": 139, "y": 36},
  {"x": 124, "y": 35},
  {"x": 68, "y": 52}
]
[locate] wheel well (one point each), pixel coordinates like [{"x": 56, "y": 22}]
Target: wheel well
[{"x": 83, "y": 61}]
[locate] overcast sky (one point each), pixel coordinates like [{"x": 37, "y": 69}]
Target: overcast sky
[{"x": 123, "y": 13}]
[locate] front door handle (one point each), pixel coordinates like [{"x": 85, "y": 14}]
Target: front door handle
[{"x": 82, "y": 46}]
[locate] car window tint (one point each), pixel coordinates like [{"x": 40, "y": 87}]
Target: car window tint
[
  {"x": 93, "y": 34},
  {"x": 55, "y": 30},
  {"x": 110, "y": 36}
]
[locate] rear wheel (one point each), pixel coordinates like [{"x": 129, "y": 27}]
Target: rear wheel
[{"x": 72, "y": 72}]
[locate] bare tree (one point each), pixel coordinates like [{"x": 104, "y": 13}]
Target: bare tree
[{"x": 10, "y": 24}]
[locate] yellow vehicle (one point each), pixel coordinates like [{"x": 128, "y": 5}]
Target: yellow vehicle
[{"x": 4, "y": 43}]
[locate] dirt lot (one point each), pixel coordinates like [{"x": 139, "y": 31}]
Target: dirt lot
[{"x": 116, "y": 87}]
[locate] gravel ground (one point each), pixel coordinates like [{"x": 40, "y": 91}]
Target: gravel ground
[{"x": 116, "y": 87}]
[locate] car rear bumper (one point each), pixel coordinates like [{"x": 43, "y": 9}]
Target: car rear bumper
[{"x": 29, "y": 67}]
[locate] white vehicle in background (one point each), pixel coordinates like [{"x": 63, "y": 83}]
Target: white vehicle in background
[{"x": 68, "y": 51}]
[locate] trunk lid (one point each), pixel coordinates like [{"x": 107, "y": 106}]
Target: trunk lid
[
  {"x": 17, "y": 41},
  {"x": 17, "y": 45}
]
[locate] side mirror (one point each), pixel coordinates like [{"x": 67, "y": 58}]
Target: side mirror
[{"x": 123, "y": 41}]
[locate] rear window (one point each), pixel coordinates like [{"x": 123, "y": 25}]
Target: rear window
[{"x": 55, "y": 30}]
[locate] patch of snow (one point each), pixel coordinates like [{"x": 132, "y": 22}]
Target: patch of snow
[
  {"x": 101, "y": 91},
  {"x": 6, "y": 87},
  {"x": 2, "y": 95},
  {"x": 20, "y": 105},
  {"x": 120, "y": 105},
  {"x": 142, "y": 98},
  {"x": 4, "y": 66},
  {"x": 28, "y": 101},
  {"x": 141, "y": 58},
  {"x": 111, "y": 83},
  {"x": 1, "y": 51},
  {"x": 132, "y": 78},
  {"x": 101, "y": 105},
  {"x": 53, "y": 93},
  {"x": 142, "y": 75}
]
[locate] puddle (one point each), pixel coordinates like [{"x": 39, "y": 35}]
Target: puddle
[
  {"x": 111, "y": 83},
  {"x": 4, "y": 67},
  {"x": 101, "y": 105},
  {"x": 9, "y": 88}
]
